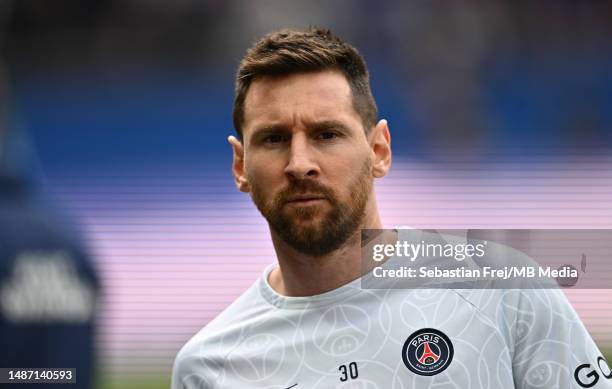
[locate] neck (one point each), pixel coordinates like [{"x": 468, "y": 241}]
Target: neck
[{"x": 299, "y": 274}]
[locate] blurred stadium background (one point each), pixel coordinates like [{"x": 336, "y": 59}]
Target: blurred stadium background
[{"x": 500, "y": 111}]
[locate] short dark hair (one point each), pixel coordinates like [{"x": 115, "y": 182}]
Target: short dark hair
[{"x": 288, "y": 52}]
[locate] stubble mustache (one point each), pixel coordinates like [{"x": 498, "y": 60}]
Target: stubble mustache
[{"x": 300, "y": 188}]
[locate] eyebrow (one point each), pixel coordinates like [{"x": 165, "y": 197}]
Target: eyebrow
[
  {"x": 270, "y": 129},
  {"x": 328, "y": 124}
]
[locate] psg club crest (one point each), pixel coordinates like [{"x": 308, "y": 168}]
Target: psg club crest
[{"x": 427, "y": 352}]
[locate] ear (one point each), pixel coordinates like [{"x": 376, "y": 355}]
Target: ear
[
  {"x": 380, "y": 141},
  {"x": 238, "y": 165}
]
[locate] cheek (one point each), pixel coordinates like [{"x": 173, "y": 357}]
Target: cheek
[
  {"x": 265, "y": 174},
  {"x": 350, "y": 171},
  {"x": 353, "y": 163}
]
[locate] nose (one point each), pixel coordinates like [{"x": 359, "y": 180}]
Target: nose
[{"x": 301, "y": 163}]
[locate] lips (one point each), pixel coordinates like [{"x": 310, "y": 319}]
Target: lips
[{"x": 305, "y": 199}]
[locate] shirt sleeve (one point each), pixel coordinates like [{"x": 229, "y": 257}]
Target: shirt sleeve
[
  {"x": 192, "y": 371},
  {"x": 552, "y": 348}
]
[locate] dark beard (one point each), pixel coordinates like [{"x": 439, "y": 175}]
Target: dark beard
[{"x": 334, "y": 229}]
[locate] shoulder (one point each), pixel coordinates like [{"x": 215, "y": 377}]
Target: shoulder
[
  {"x": 511, "y": 303},
  {"x": 522, "y": 313},
  {"x": 200, "y": 361}
]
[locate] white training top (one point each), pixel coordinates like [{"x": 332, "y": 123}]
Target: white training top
[{"x": 393, "y": 339}]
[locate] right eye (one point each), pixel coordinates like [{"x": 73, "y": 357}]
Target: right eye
[{"x": 274, "y": 139}]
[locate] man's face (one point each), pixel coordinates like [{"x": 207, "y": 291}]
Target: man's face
[{"x": 306, "y": 159}]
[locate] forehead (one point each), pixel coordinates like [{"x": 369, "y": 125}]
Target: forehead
[{"x": 300, "y": 97}]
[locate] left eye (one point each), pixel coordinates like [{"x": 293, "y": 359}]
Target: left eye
[{"x": 327, "y": 135}]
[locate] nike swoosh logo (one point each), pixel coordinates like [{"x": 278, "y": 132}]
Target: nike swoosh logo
[{"x": 292, "y": 386}]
